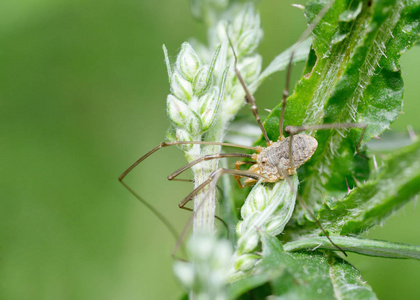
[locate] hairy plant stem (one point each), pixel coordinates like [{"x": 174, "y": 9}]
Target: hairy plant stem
[{"x": 205, "y": 201}]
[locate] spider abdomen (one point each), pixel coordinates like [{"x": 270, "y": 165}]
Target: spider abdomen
[{"x": 274, "y": 160}]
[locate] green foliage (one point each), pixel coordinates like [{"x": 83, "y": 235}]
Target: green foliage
[
  {"x": 355, "y": 79},
  {"x": 352, "y": 76},
  {"x": 392, "y": 186},
  {"x": 389, "y": 188},
  {"x": 304, "y": 276}
]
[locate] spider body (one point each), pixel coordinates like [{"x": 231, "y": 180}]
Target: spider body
[{"x": 273, "y": 161}]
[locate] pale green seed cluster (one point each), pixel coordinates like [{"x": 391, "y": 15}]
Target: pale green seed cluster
[
  {"x": 267, "y": 209},
  {"x": 202, "y": 93},
  {"x": 246, "y": 35},
  {"x": 195, "y": 95},
  {"x": 244, "y": 30},
  {"x": 206, "y": 272}
]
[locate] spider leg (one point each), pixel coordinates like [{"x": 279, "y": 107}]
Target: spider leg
[
  {"x": 155, "y": 211},
  {"x": 248, "y": 96},
  {"x": 217, "y": 217},
  {"x": 183, "y": 180},
  {"x": 305, "y": 207},
  {"x": 205, "y": 158},
  {"x": 166, "y": 144},
  {"x": 238, "y": 177},
  {"x": 215, "y": 175},
  {"x": 199, "y": 160}
]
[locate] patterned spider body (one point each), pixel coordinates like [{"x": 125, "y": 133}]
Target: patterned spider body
[{"x": 274, "y": 160}]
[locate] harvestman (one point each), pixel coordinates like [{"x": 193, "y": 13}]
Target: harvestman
[{"x": 275, "y": 162}]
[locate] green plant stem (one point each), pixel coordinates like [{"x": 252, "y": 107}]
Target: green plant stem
[
  {"x": 357, "y": 245},
  {"x": 205, "y": 201}
]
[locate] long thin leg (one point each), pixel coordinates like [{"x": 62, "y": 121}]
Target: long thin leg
[
  {"x": 303, "y": 37},
  {"x": 292, "y": 165},
  {"x": 216, "y": 175},
  {"x": 213, "y": 156},
  {"x": 156, "y": 212},
  {"x": 183, "y": 180},
  {"x": 160, "y": 216},
  {"x": 204, "y": 158},
  {"x": 217, "y": 217},
  {"x": 201, "y": 159},
  {"x": 305, "y": 207},
  {"x": 166, "y": 144},
  {"x": 248, "y": 96}
]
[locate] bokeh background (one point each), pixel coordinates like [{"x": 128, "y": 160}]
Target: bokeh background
[{"x": 83, "y": 86}]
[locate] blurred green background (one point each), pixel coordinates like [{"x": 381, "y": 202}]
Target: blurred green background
[{"x": 83, "y": 86}]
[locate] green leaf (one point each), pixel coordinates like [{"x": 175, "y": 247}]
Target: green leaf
[
  {"x": 347, "y": 282},
  {"x": 312, "y": 276},
  {"x": 352, "y": 75},
  {"x": 392, "y": 186},
  {"x": 242, "y": 286},
  {"x": 303, "y": 276},
  {"x": 358, "y": 245}
]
